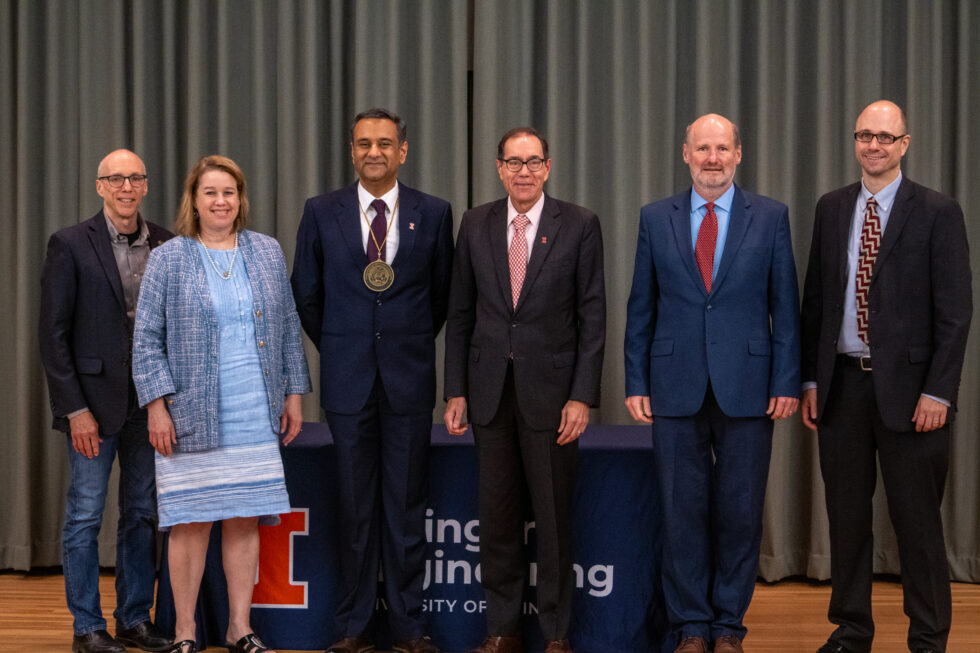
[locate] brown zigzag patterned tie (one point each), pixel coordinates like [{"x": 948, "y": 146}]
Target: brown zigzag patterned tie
[{"x": 870, "y": 240}]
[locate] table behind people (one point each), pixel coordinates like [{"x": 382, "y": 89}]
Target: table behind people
[{"x": 617, "y": 603}]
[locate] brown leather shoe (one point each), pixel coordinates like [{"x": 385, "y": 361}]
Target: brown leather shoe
[
  {"x": 728, "y": 644},
  {"x": 421, "y": 644},
  {"x": 500, "y": 645},
  {"x": 692, "y": 645},
  {"x": 351, "y": 645},
  {"x": 557, "y": 646}
]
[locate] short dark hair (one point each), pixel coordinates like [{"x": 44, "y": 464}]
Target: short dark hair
[
  {"x": 517, "y": 131},
  {"x": 382, "y": 114}
]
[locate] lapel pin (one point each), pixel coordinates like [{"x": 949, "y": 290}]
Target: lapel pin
[
  {"x": 411, "y": 226},
  {"x": 544, "y": 240}
]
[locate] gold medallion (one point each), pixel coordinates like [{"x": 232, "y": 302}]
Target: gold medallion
[{"x": 378, "y": 276}]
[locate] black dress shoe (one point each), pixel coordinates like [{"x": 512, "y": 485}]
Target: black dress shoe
[
  {"x": 833, "y": 647},
  {"x": 98, "y": 641},
  {"x": 145, "y": 636}
]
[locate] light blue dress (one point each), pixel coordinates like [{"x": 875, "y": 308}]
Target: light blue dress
[{"x": 243, "y": 477}]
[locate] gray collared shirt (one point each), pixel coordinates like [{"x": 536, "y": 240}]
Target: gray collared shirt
[{"x": 131, "y": 261}]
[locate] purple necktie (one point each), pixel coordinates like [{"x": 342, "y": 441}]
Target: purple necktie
[{"x": 379, "y": 227}]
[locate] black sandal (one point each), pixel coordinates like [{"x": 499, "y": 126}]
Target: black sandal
[
  {"x": 248, "y": 644},
  {"x": 178, "y": 647}
]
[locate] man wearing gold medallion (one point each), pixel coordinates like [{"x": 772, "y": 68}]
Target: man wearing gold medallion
[{"x": 371, "y": 281}]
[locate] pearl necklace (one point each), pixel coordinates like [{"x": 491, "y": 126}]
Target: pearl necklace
[{"x": 224, "y": 275}]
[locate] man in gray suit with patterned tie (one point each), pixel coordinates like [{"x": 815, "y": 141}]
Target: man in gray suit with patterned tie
[{"x": 886, "y": 312}]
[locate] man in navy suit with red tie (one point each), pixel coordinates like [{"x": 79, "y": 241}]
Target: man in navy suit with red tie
[
  {"x": 371, "y": 282},
  {"x": 886, "y": 312},
  {"x": 712, "y": 359}
]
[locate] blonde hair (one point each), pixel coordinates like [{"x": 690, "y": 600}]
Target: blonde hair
[{"x": 187, "y": 221}]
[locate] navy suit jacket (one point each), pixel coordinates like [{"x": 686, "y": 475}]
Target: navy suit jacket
[
  {"x": 361, "y": 333},
  {"x": 557, "y": 331},
  {"x": 920, "y": 300},
  {"x": 744, "y": 337},
  {"x": 83, "y": 330}
]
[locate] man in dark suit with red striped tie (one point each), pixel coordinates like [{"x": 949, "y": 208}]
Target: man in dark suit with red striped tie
[{"x": 524, "y": 345}]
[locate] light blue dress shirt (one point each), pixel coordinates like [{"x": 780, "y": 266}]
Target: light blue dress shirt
[
  {"x": 723, "y": 211},
  {"x": 849, "y": 342}
]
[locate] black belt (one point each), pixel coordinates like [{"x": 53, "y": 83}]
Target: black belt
[{"x": 863, "y": 363}]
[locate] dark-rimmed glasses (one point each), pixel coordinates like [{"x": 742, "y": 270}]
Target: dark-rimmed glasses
[
  {"x": 514, "y": 165},
  {"x": 117, "y": 181},
  {"x": 883, "y": 138}
]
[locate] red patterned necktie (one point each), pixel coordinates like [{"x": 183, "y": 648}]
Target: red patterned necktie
[
  {"x": 518, "y": 257},
  {"x": 704, "y": 249},
  {"x": 379, "y": 228},
  {"x": 870, "y": 240}
]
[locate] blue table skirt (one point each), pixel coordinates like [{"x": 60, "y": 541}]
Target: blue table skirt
[{"x": 617, "y": 605}]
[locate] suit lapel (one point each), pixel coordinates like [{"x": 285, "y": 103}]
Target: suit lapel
[
  {"x": 409, "y": 222},
  {"x": 738, "y": 224},
  {"x": 99, "y": 236},
  {"x": 845, "y": 213},
  {"x": 680, "y": 221},
  {"x": 497, "y": 226},
  {"x": 544, "y": 239},
  {"x": 899, "y": 215},
  {"x": 348, "y": 216}
]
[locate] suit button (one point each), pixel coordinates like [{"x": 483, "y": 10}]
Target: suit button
[
  {"x": 378, "y": 335},
  {"x": 261, "y": 343},
  {"x": 709, "y": 307},
  {"x": 170, "y": 402},
  {"x": 513, "y": 325},
  {"x": 267, "y": 372},
  {"x": 379, "y": 302},
  {"x": 258, "y": 313}
]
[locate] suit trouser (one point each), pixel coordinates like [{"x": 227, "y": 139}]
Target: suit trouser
[
  {"x": 913, "y": 470},
  {"x": 712, "y": 471},
  {"x": 515, "y": 459},
  {"x": 382, "y": 474}
]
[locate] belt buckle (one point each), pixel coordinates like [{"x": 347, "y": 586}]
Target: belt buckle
[{"x": 865, "y": 363}]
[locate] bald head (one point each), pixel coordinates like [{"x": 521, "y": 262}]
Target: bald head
[
  {"x": 120, "y": 158},
  {"x": 715, "y": 120},
  {"x": 881, "y": 162},
  {"x": 122, "y": 203},
  {"x": 712, "y": 151},
  {"x": 884, "y": 110}
]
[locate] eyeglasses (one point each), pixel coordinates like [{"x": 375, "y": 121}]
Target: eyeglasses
[
  {"x": 117, "y": 181},
  {"x": 883, "y": 139},
  {"x": 515, "y": 165}
]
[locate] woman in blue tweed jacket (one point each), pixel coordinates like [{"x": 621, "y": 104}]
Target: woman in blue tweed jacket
[{"x": 218, "y": 361}]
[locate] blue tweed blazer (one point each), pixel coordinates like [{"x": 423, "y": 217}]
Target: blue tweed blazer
[{"x": 175, "y": 344}]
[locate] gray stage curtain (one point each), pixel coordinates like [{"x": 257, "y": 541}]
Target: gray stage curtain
[{"x": 611, "y": 83}]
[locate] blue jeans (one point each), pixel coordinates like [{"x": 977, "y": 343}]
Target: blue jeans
[{"x": 135, "y": 539}]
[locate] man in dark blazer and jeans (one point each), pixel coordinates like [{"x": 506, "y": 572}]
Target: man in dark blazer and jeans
[
  {"x": 524, "y": 346},
  {"x": 89, "y": 288},
  {"x": 371, "y": 282},
  {"x": 886, "y": 311}
]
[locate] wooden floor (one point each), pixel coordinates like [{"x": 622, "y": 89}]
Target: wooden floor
[{"x": 786, "y": 617}]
